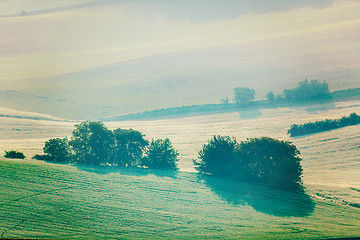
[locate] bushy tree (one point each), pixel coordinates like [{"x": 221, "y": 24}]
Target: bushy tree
[
  {"x": 92, "y": 143},
  {"x": 244, "y": 95},
  {"x": 14, "y": 154},
  {"x": 161, "y": 155},
  {"x": 57, "y": 149},
  {"x": 268, "y": 161},
  {"x": 262, "y": 160},
  {"x": 129, "y": 147},
  {"x": 216, "y": 156}
]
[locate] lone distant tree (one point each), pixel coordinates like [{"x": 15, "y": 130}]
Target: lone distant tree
[
  {"x": 57, "y": 149},
  {"x": 161, "y": 155},
  {"x": 92, "y": 143},
  {"x": 129, "y": 147},
  {"x": 244, "y": 95}
]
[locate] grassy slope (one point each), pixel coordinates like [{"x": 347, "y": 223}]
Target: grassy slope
[{"x": 42, "y": 200}]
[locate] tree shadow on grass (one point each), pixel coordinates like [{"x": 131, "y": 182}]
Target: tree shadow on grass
[
  {"x": 266, "y": 200},
  {"x": 250, "y": 113},
  {"x": 129, "y": 171}
]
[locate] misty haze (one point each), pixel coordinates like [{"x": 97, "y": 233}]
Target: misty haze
[{"x": 179, "y": 119}]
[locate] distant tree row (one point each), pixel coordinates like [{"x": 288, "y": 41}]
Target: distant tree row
[
  {"x": 264, "y": 160},
  {"x": 93, "y": 143},
  {"x": 306, "y": 90},
  {"x": 324, "y": 125}
]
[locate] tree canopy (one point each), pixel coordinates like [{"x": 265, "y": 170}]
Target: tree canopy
[
  {"x": 307, "y": 90},
  {"x": 57, "y": 149},
  {"x": 129, "y": 147},
  {"x": 216, "y": 156},
  {"x": 93, "y": 143},
  {"x": 243, "y": 95},
  {"x": 161, "y": 155},
  {"x": 264, "y": 160}
]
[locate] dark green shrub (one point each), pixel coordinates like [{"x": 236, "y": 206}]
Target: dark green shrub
[
  {"x": 43, "y": 157},
  {"x": 14, "y": 154},
  {"x": 324, "y": 125}
]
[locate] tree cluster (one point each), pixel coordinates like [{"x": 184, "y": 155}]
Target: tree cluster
[
  {"x": 243, "y": 95},
  {"x": 324, "y": 125},
  {"x": 264, "y": 160},
  {"x": 306, "y": 90},
  {"x": 93, "y": 143}
]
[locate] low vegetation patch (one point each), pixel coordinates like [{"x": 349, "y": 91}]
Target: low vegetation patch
[
  {"x": 324, "y": 125},
  {"x": 14, "y": 154},
  {"x": 43, "y": 157}
]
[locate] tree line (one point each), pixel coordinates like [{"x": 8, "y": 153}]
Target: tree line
[
  {"x": 324, "y": 125},
  {"x": 264, "y": 160},
  {"x": 93, "y": 143},
  {"x": 306, "y": 90}
]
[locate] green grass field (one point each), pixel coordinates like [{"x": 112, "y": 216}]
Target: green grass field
[{"x": 45, "y": 200}]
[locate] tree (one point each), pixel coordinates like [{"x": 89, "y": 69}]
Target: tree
[
  {"x": 264, "y": 160},
  {"x": 57, "y": 149},
  {"x": 92, "y": 143},
  {"x": 215, "y": 156},
  {"x": 161, "y": 155},
  {"x": 14, "y": 154},
  {"x": 268, "y": 161},
  {"x": 270, "y": 96},
  {"x": 225, "y": 100},
  {"x": 243, "y": 95},
  {"x": 129, "y": 147}
]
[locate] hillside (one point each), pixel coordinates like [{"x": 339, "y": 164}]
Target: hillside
[{"x": 42, "y": 200}]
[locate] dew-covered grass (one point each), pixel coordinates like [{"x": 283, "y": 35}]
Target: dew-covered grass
[{"x": 45, "y": 200}]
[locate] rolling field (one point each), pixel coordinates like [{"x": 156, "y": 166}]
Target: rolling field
[
  {"x": 46, "y": 200},
  {"x": 65, "y": 61}
]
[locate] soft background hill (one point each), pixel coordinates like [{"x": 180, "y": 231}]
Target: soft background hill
[{"x": 90, "y": 59}]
